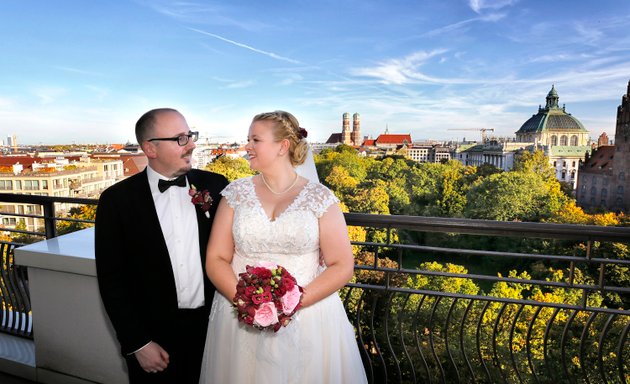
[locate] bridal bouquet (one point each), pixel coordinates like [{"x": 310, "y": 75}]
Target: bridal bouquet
[{"x": 267, "y": 296}]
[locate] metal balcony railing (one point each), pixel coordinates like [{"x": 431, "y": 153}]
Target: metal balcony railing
[
  {"x": 15, "y": 305},
  {"x": 433, "y": 299},
  {"x": 421, "y": 319}
]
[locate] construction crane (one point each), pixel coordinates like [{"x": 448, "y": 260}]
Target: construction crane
[{"x": 483, "y": 131}]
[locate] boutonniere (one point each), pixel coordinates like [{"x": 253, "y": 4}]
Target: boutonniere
[{"x": 201, "y": 198}]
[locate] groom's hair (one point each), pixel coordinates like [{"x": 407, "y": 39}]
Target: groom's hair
[{"x": 146, "y": 122}]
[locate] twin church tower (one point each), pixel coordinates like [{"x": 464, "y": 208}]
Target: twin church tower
[{"x": 351, "y": 137}]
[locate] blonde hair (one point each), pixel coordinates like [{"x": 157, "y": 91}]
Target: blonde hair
[{"x": 287, "y": 127}]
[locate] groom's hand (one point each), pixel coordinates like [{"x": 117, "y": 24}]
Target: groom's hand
[{"x": 152, "y": 358}]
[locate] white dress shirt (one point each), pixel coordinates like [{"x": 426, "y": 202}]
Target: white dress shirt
[{"x": 178, "y": 221}]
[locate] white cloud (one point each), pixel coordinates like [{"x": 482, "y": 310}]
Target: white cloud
[
  {"x": 479, "y": 5},
  {"x": 48, "y": 95},
  {"x": 400, "y": 71},
  {"x": 241, "y": 84}
]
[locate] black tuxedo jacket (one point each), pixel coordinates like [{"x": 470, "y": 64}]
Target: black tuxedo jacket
[{"x": 133, "y": 266}]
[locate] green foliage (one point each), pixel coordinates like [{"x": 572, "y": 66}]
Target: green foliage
[
  {"x": 523, "y": 196},
  {"x": 85, "y": 212},
  {"x": 534, "y": 162},
  {"x": 440, "y": 283},
  {"x": 23, "y": 238},
  {"x": 231, "y": 168},
  {"x": 345, "y": 157}
]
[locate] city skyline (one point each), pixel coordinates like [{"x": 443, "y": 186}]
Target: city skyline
[{"x": 83, "y": 73}]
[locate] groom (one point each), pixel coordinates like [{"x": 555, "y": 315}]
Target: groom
[{"x": 150, "y": 245}]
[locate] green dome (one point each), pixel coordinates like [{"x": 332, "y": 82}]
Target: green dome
[{"x": 551, "y": 118}]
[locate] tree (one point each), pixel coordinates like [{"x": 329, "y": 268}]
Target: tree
[
  {"x": 570, "y": 213},
  {"x": 340, "y": 181},
  {"x": 536, "y": 162},
  {"x": 231, "y": 168},
  {"x": 345, "y": 157},
  {"x": 451, "y": 200},
  {"x": 369, "y": 198},
  {"x": 508, "y": 196},
  {"x": 84, "y": 212}
]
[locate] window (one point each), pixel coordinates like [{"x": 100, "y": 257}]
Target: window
[
  {"x": 18, "y": 184},
  {"x": 620, "y": 190},
  {"x": 593, "y": 190},
  {"x": 604, "y": 192},
  {"x": 622, "y": 175},
  {"x": 573, "y": 164},
  {"x": 564, "y": 164},
  {"x": 573, "y": 175},
  {"x": 9, "y": 221},
  {"x": 554, "y": 140},
  {"x": 564, "y": 140},
  {"x": 44, "y": 184},
  {"x": 555, "y": 164},
  {"x": 6, "y": 185},
  {"x": 564, "y": 175},
  {"x": 31, "y": 185},
  {"x": 574, "y": 140}
]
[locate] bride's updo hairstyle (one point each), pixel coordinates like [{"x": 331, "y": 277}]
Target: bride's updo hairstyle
[{"x": 287, "y": 127}]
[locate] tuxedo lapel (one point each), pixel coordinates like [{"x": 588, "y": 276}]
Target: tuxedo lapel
[{"x": 141, "y": 202}]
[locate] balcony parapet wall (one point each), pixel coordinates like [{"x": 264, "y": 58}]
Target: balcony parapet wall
[{"x": 74, "y": 340}]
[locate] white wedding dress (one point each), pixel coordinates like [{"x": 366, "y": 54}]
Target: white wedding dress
[{"x": 318, "y": 345}]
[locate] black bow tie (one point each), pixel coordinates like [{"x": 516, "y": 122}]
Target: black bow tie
[{"x": 180, "y": 181}]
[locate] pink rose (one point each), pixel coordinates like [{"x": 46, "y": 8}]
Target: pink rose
[
  {"x": 266, "y": 315},
  {"x": 290, "y": 300}
]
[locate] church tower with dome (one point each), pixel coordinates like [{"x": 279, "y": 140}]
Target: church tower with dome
[{"x": 562, "y": 136}]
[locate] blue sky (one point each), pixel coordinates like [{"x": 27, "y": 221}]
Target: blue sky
[{"x": 84, "y": 71}]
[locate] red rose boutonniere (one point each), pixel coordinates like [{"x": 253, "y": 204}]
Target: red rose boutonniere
[{"x": 201, "y": 198}]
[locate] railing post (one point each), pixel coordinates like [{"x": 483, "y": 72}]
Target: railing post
[{"x": 49, "y": 219}]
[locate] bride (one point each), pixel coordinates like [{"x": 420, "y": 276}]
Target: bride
[{"x": 281, "y": 217}]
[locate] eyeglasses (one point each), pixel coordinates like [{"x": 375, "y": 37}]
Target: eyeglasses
[{"x": 181, "y": 139}]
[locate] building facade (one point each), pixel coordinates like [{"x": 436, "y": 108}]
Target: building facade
[
  {"x": 604, "y": 179},
  {"x": 561, "y": 136},
  {"x": 85, "y": 179}
]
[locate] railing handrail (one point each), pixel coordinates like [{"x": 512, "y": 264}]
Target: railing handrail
[
  {"x": 37, "y": 199},
  {"x": 491, "y": 227}
]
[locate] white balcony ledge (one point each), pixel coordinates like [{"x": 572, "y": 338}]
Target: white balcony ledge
[{"x": 73, "y": 338}]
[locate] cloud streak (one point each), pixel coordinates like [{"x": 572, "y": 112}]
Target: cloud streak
[
  {"x": 479, "y": 5},
  {"x": 241, "y": 45}
]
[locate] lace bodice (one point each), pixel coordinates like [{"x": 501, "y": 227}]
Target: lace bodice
[{"x": 291, "y": 240}]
